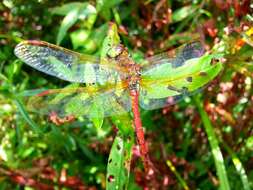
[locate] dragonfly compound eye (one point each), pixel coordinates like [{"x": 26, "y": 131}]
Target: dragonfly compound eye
[{"x": 115, "y": 51}]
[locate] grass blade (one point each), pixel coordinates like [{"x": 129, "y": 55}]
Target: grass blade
[
  {"x": 25, "y": 115},
  {"x": 239, "y": 167},
  {"x": 218, "y": 158}
]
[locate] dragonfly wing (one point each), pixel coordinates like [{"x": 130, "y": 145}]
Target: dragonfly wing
[
  {"x": 165, "y": 84},
  {"x": 65, "y": 64},
  {"x": 74, "y": 100},
  {"x": 175, "y": 58}
]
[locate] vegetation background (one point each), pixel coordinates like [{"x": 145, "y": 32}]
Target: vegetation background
[{"x": 200, "y": 143}]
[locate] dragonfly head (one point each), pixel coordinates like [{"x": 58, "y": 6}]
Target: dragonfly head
[{"x": 116, "y": 51}]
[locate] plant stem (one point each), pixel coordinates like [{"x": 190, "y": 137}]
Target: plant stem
[
  {"x": 180, "y": 179},
  {"x": 139, "y": 130}
]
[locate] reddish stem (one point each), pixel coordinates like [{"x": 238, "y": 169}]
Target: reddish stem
[{"x": 139, "y": 130}]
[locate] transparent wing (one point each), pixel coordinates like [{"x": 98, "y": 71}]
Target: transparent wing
[
  {"x": 175, "y": 58},
  {"x": 65, "y": 64},
  {"x": 75, "y": 100},
  {"x": 169, "y": 80}
]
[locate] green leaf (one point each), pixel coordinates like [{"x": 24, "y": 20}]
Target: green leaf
[
  {"x": 249, "y": 143},
  {"x": 112, "y": 40},
  {"x": 79, "y": 37},
  {"x": 183, "y": 13},
  {"x": 66, "y": 8},
  {"x": 85, "y": 149},
  {"x": 68, "y": 21},
  {"x": 96, "y": 38},
  {"x": 118, "y": 167},
  {"x": 25, "y": 115},
  {"x": 12, "y": 69},
  {"x": 83, "y": 11},
  {"x": 86, "y": 10},
  {"x": 239, "y": 167},
  {"x": 104, "y": 6}
]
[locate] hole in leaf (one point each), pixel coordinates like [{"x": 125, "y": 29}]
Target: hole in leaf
[
  {"x": 111, "y": 178},
  {"x": 118, "y": 147}
]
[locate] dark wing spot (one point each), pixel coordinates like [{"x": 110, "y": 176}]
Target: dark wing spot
[
  {"x": 110, "y": 161},
  {"x": 203, "y": 74},
  {"x": 173, "y": 88},
  {"x": 192, "y": 50},
  {"x": 189, "y": 79}
]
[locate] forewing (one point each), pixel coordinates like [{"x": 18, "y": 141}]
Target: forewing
[
  {"x": 74, "y": 100},
  {"x": 168, "y": 82},
  {"x": 65, "y": 64}
]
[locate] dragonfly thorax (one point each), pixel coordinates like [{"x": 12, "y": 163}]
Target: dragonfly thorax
[
  {"x": 134, "y": 77},
  {"x": 131, "y": 70}
]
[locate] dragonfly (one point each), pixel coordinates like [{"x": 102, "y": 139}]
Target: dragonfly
[
  {"x": 115, "y": 84},
  {"x": 103, "y": 87}
]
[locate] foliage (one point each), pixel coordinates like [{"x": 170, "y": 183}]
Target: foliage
[{"x": 85, "y": 154}]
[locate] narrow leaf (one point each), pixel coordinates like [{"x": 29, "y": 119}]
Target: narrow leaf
[
  {"x": 25, "y": 115},
  {"x": 239, "y": 167},
  {"x": 218, "y": 158},
  {"x": 68, "y": 21},
  {"x": 182, "y": 13}
]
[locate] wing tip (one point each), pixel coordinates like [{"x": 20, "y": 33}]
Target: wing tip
[{"x": 19, "y": 49}]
